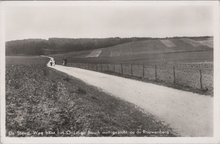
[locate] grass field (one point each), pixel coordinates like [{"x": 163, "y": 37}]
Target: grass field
[
  {"x": 153, "y": 47},
  {"x": 148, "y": 59},
  {"x": 26, "y": 60},
  {"x": 44, "y": 102},
  {"x": 170, "y": 50}
]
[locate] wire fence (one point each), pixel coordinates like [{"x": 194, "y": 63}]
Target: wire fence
[{"x": 193, "y": 76}]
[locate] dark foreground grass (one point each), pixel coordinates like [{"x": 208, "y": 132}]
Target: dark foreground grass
[{"x": 43, "y": 102}]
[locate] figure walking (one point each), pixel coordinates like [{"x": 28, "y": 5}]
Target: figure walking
[
  {"x": 52, "y": 62},
  {"x": 64, "y": 62}
]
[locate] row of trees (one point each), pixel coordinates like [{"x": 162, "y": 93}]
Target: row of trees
[
  {"x": 61, "y": 45},
  {"x": 26, "y": 47},
  {"x": 64, "y": 45}
]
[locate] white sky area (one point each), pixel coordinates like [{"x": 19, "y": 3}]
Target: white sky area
[{"x": 108, "y": 20}]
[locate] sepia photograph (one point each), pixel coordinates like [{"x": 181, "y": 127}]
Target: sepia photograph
[{"x": 109, "y": 71}]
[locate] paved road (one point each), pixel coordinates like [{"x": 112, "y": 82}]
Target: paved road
[{"x": 188, "y": 113}]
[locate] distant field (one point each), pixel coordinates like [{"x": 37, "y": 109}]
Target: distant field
[
  {"x": 26, "y": 60},
  {"x": 153, "y": 47},
  {"x": 171, "y": 50},
  {"x": 176, "y": 57}
]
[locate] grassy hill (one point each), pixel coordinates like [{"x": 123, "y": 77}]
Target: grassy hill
[
  {"x": 154, "y": 46},
  {"x": 167, "y": 50},
  {"x": 61, "y": 45},
  {"x": 115, "y": 50}
]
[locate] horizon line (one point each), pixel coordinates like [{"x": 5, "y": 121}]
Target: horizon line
[{"x": 105, "y": 37}]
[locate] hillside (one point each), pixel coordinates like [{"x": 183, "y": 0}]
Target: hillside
[
  {"x": 124, "y": 50},
  {"x": 155, "y": 46},
  {"x": 181, "y": 49},
  {"x": 113, "y": 46},
  {"x": 61, "y": 45}
]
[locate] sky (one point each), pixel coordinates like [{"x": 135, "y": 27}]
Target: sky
[{"x": 98, "y": 20}]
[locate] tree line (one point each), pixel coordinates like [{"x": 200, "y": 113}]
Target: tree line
[
  {"x": 61, "y": 45},
  {"x": 65, "y": 45}
]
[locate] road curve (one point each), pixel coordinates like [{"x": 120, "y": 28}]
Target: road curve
[{"x": 187, "y": 113}]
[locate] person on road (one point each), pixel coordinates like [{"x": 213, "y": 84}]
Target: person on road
[
  {"x": 64, "y": 62},
  {"x": 52, "y": 62}
]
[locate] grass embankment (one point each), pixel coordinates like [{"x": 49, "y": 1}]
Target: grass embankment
[{"x": 44, "y": 102}]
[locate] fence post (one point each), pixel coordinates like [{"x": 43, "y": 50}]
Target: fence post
[
  {"x": 155, "y": 72},
  {"x": 174, "y": 75},
  {"x": 200, "y": 73},
  {"x": 131, "y": 69},
  {"x": 101, "y": 67},
  {"x": 143, "y": 71},
  {"x": 121, "y": 68},
  {"x": 114, "y": 68}
]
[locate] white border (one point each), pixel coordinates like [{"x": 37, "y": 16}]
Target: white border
[
  {"x": 2, "y": 71},
  {"x": 109, "y": 3},
  {"x": 217, "y": 71},
  {"x": 214, "y": 139}
]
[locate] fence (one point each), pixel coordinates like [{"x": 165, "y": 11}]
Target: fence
[{"x": 193, "y": 76}]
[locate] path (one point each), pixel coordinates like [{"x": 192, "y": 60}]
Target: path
[{"x": 188, "y": 113}]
